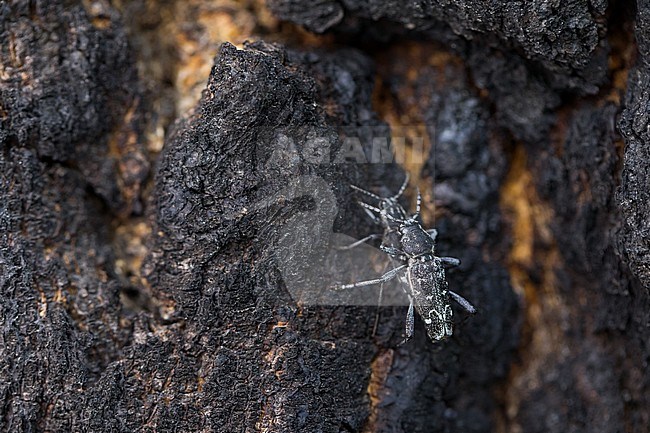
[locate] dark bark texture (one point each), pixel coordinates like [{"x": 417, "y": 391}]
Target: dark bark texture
[
  {"x": 532, "y": 123},
  {"x": 562, "y": 36},
  {"x": 69, "y": 153},
  {"x": 536, "y": 49}
]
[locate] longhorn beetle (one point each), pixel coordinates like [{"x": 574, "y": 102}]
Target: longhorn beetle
[{"x": 423, "y": 273}]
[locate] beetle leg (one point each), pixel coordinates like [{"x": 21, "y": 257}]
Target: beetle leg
[
  {"x": 359, "y": 242},
  {"x": 410, "y": 323},
  {"x": 386, "y": 277},
  {"x": 452, "y": 262},
  {"x": 393, "y": 252},
  {"x": 463, "y": 302}
]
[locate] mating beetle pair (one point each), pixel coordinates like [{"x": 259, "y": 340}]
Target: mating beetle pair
[{"x": 420, "y": 270}]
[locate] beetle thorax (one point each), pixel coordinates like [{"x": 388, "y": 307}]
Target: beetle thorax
[{"x": 415, "y": 241}]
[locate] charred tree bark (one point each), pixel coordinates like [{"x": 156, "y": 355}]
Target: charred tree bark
[
  {"x": 70, "y": 157},
  {"x": 525, "y": 130}
]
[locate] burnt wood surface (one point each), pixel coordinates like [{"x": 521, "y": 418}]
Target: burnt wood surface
[{"x": 151, "y": 288}]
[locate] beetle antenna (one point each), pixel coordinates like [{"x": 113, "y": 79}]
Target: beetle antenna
[
  {"x": 368, "y": 193},
  {"x": 402, "y": 188}
]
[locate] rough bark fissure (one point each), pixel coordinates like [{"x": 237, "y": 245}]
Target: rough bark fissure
[{"x": 535, "y": 175}]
